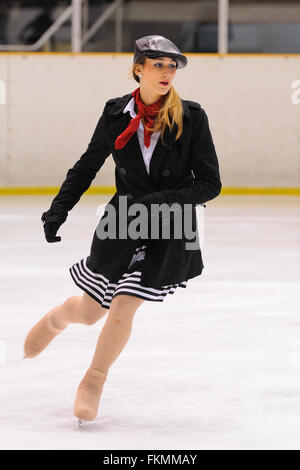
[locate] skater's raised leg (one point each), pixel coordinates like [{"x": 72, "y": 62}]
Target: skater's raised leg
[
  {"x": 112, "y": 340},
  {"x": 76, "y": 309}
]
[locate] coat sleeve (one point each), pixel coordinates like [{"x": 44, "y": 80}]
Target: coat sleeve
[
  {"x": 80, "y": 176},
  {"x": 204, "y": 163}
]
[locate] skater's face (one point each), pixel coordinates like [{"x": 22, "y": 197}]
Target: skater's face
[{"x": 155, "y": 71}]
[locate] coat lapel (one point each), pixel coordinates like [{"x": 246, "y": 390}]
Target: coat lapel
[
  {"x": 133, "y": 149},
  {"x": 162, "y": 150},
  {"x": 160, "y": 153}
]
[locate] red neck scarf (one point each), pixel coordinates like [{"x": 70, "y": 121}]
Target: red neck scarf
[{"x": 147, "y": 112}]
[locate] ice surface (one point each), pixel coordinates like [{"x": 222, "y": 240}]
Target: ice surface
[{"x": 215, "y": 366}]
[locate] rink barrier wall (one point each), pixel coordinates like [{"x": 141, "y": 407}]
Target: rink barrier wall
[
  {"x": 112, "y": 190},
  {"x": 46, "y": 124}
]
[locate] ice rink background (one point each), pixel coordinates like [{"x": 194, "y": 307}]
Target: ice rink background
[{"x": 215, "y": 366}]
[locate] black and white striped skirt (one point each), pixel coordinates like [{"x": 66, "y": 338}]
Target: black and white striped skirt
[{"x": 103, "y": 291}]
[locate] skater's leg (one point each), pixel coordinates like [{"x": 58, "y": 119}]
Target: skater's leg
[
  {"x": 115, "y": 332},
  {"x": 78, "y": 309},
  {"x": 75, "y": 309},
  {"x": 112, "y": 340}
]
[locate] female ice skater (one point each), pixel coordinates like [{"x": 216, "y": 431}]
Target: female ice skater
[{"x": 163, "y": 153}]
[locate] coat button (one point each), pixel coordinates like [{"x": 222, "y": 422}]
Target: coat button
[
  {"x": 129, "y": 196},
  {"x": 122, "y": 171},
  {"x": 166, "y": 173}
]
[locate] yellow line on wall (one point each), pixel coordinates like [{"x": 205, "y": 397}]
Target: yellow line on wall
[
  {"x": 112, "y": 189},
  {"x": 52, "y": 190},
  {"x": 270, "y": 191}
]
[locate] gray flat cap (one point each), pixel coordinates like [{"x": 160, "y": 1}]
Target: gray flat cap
[{"x": 157, "y": 46}]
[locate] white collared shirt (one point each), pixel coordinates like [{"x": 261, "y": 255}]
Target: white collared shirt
[{"x": 147, "y": 152}]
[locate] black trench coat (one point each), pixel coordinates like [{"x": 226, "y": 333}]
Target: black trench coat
[{"x": 185, "y": 171}]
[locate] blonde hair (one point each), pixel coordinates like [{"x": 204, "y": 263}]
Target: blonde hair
[{"x": 171, "y": 111}]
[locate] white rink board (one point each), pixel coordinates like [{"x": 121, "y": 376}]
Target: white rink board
[{"x": 54, "y": 102}]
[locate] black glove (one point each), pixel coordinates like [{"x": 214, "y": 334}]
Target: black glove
[
  {"x": 50, "y": 229},
  {"x": 147, "y": 200},
  {"x": 140, "y": 200}
]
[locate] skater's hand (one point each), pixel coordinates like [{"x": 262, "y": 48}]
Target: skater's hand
[
  {"x": 146, "y": 199},
  {"x": 50, "y": 229}
]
